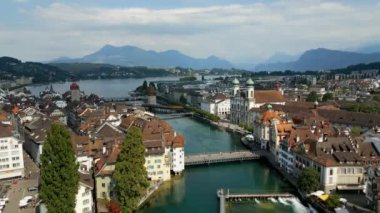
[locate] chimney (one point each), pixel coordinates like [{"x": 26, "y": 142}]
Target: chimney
[
  {"x": 104, "y": 150},
  {"x": 297, "y": 139}
]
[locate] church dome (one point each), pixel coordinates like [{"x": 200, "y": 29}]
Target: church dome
[
  {"x": 235, "y": 82},
  {"x": 74, "y": 86},
  {"x": 249, "y": 82}
]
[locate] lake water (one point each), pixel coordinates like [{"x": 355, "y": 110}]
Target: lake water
[{"x": 105, "y": 87}]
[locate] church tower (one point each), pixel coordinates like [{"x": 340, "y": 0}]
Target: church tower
[
  {"x": 75, "y": 92},
  {"x": 250, "y": 89},
  {"x": 250, "y": 94},
  {"x": 236, "y": 87}
]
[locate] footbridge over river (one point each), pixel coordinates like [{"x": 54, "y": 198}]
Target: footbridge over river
[{"x": 220, "y": 157}]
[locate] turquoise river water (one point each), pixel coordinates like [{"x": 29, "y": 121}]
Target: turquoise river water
[{"x": 195, "y": 190}]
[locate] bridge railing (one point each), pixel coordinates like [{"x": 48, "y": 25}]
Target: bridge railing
[{"x": 223, "y": 152}]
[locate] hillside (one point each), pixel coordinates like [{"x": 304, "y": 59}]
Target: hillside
[
  {"x": 323, "y": 59},
  {"x": 11, "y": 69},
  {"x": 134, "y": 56}
]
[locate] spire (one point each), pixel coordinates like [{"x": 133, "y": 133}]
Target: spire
[
  {"x": 235, "y": 82},
  {"x": 250, "y": 82}
]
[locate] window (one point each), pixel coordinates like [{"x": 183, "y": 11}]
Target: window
[
  {"x": 157, "y": 161},
  {"x": 15, "y": 158},
  {"x": 103, "y": 185},
  {"x": 6, "y": 166},
  {"x": 331, "y": 171},
  {"x": 16, "y": 165},
  {"x": 158, "y": 166},
  {"x": 86, "y": 210},
  {"x": 87, "y": 201}
]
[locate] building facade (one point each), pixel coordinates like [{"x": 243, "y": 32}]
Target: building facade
[
  {"x": 11, "y": 155},
  {"x": 244, "y": 99}
]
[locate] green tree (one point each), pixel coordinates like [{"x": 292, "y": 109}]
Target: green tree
[
  {"x": 130, "y": 174},
  {"x": 312, "y": 97},
  {"x": 145, "y": 86},
  {"x": 59, "y": 171},
  {"x": 356, "y": 131},
  {"x": 182, "y": 99},
  {"x": 328, "y": 96},
  {"x": 333, "y": 201},
  {"x": 151, "y": 84},
  {"x": 376, "y": 98},
  {"x": 308, "y": 181}
]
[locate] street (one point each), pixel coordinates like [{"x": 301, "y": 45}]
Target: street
[{"x": 20, "y": 189}]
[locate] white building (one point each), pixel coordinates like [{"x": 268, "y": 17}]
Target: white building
[
  {"x": 219, "y": 105},
  {"x": 178, "y": 154},
  {"x": 243, "y": 100},
  {"x": 11, "y": 155},
  {"x": 337, "y": 161},
  {"x": 84, "y": 202}
]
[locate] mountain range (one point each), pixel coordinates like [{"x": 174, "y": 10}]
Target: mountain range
[
  {"x": 322, "y": 59},
  {"x": 134, "y": 56},
  {"x": 314, "y": 59}
]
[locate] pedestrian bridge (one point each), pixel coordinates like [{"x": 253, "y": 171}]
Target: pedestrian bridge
[{"x": 220, "y": 157}]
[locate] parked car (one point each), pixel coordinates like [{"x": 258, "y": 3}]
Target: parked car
[{"x": 33, "y": 188}]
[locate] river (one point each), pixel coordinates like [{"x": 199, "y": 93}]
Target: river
[{"x": 195, "y": 190}]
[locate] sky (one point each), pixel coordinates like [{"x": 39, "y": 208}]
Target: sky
[{"x": 241, "y": 31}]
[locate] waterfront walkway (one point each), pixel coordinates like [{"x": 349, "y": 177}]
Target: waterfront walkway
[
  {"x": 175, "y": 115},
  {"x": 220, "y": 157},
  {"x": 231, "y": 127}
]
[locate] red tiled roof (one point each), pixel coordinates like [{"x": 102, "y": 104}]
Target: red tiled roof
[{"x": 268, "y": 96}]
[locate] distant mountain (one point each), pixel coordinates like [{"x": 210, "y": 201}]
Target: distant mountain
[
  {"x": 134, "y": 56},
  {"x": 281, "y": 58},
  {"x": 375, "y": 48},
  {"x": 322, "y": 59}
]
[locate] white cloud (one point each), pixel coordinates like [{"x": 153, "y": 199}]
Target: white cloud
[{"x": 236, "y": 32}]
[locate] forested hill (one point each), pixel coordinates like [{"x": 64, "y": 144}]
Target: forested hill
[{"x": 11, "y": 69}]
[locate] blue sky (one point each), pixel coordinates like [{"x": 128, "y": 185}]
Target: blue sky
[{"x": 241, "y": 31}]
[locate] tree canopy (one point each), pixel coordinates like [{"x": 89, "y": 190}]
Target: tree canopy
[
  {"x": 356, "y": 131},
  {"x": 182, "y": 99},
  {"x": 312, "y": 97},
  {"x": 328, "y": 96},
  {"x": 59, "y": 171},
  {"x": 333, "y": 201},
  {"x": 130, "y": 174},
  {"x": 308, "y": 181}
]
